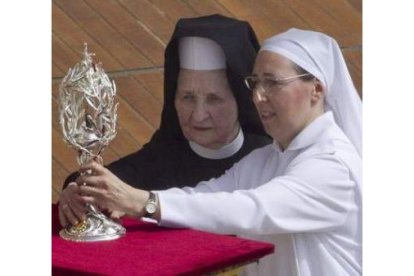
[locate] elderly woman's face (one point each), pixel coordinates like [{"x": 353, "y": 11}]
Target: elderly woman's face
[
  {"x": 287, "y": 108},
  {"x": 206, "y": 107}
]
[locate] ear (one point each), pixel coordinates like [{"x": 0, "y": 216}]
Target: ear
[{"x": 318, "y": 91}]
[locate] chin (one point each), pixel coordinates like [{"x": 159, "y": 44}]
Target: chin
[
  {"x": 272, "y": 132},
  {"x": 269, "y": 130},
  {"x": 202, "y": 142},
  {"x": 208, "y": 144}
]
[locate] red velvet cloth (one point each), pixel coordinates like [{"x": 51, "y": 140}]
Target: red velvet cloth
[{"x": 148, "y": 249}]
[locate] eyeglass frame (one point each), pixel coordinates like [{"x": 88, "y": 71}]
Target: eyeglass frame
[{"x": 275, "y": 80}]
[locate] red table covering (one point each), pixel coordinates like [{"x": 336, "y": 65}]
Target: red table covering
[{"x": 148, "y": 249}]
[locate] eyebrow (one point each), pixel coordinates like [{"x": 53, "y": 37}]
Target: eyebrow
[
  {"x": 184, "y": 90},
  {"x": 266, "y": 75}
]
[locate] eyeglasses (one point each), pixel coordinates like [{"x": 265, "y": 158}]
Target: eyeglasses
[{"x": 252, "y": 82}]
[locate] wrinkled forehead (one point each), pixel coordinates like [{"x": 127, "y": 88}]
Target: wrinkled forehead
[
  {"x": 187, "y": 76},
  {"x": 212, "y": 81}
]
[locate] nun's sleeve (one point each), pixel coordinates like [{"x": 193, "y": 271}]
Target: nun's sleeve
[{"x": 304, "y": 199}]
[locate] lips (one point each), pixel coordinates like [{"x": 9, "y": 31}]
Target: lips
[
  {"x": 201, "y": 128},
  {"x": 267, "y": 115}
]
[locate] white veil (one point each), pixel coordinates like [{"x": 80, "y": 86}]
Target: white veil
[{"x": 321, "y": 56}]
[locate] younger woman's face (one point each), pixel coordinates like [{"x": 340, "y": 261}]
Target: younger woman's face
[{"x": 287, "y": 108}]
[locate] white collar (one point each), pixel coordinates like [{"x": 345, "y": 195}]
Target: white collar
[
  {"x": 221, "y": 153},
  {"x": 315, "y": 131}
]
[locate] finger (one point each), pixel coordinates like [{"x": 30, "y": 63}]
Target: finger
[
  {"x": 92, "y": 166},
  {"x": 72, "y": 196},
  {"x": 79, "y": 212},
  {"x": 71, "y": 190},
  {"x": 71, "y": 207},
  {"x": 62, "y": 218},
  {"x": 116, "y": 215},
  {"x": 78, "y": 205},
  {"x": 90, "y": 200},
  {"x": 72, "y": 185},
  {"x": 90, "y": 191},
  {"x": 67, "y": 193},
  {"x": 90, "y": 180},
  {"x": 96, "y": 201},
  {"x": 67, "y": 212}
]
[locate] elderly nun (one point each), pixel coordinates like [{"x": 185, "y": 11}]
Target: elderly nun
[{"x": 208, "y": 120}]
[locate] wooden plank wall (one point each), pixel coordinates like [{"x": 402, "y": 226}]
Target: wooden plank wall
[{"x": 129, "y": 37}]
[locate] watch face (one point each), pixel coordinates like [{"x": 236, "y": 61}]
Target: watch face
[{"x": 151, "y": 208}]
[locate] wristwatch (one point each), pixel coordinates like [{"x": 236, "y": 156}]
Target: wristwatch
[{"x": 151, "y": 206}]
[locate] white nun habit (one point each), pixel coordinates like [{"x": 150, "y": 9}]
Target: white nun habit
[{"x": 307, "y": 199}]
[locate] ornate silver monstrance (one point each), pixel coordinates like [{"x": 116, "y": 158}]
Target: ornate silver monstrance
[{"x": 87, "y": 115}]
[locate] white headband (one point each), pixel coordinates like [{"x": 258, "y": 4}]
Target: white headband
[
  {"x": 321, "y": 56},
  {"x": 198, "y": 53}
]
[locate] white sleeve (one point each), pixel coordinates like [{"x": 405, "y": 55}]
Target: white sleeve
[
  {"x": 314, "y": 195},
  {"x": 225, "y": 183}
]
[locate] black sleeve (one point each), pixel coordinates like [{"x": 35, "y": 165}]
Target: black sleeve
[{"x": 145, "y": 169}]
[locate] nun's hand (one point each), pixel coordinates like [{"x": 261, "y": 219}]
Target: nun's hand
[
  {"x": 72, "y": 208},
  {"x": 107, "y": 191}
]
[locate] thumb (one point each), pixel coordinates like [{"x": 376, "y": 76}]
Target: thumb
[{"x": 117, "y": 215}]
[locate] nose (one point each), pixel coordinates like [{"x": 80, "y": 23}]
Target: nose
[
  {"x": 259, "y": 94},
  {"x": 200, "y": 113}
]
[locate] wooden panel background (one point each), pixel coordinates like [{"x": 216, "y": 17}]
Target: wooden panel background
[{"x": 129, "y": 37}]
